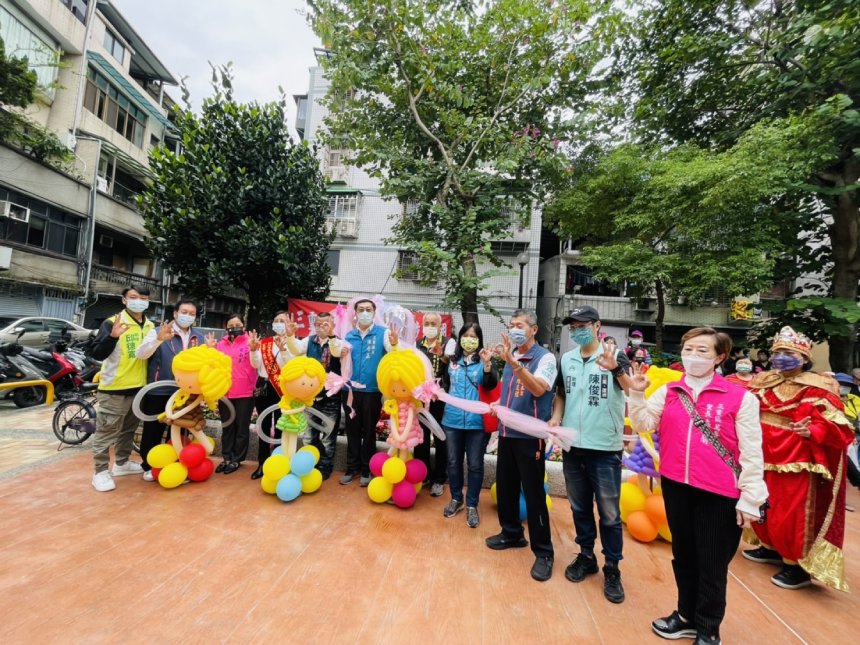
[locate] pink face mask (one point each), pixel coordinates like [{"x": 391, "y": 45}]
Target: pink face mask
[{"x": 697, "y": 365}]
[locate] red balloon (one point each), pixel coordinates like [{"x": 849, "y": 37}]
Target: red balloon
[
  {"x": 155, "y": 472},
  {"x": 202, "y": 471},
  {"x": 416, "y": 471},
  {"x": 192, "y": 455},
  {"x": 376, "y": 463}
]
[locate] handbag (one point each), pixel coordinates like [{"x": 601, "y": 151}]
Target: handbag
[{"x": 724, "y": 453}]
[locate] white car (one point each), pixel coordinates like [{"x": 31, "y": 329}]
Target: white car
[{"x": 40, "y": 331}]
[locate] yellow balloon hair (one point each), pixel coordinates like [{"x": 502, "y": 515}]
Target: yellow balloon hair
[
  {"x": 214, "y": 370},
  {"x": 298, "y": 367},
  {"x": 661, "y": 376},
  {"x": 403, "y": 366}
]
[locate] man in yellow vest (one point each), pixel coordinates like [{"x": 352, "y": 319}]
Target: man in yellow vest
[{"x": 122, "y": 375}]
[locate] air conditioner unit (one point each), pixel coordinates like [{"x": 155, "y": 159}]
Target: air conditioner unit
[
  {"x": 106, "y": 241},
  {"x": 102, "y": 184},
  {"x": 347, "y": 228},
  {"x": 339, "y": 173},
  {"x": 68, "y": 139},
  {"x": 14, "y": 211},
  {"x": 5, "y": 258}
]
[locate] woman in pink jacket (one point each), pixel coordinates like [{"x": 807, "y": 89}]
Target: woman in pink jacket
[
  {"x": 711, "y": 470},
  {"x": 240, "y": 347}
]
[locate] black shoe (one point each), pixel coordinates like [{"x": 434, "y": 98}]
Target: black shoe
[
  {"x": 792, "y": 576},
  {"x": 231, "y": 467},
  {"x": 326, "y": 474},
  {"x": 582, "y": 566},
  {"x": 612, "y": 588},
  {"x": 499, "y": 542},
  {"x": 763, "y": 555},
  {"x": 672, "y": 627},
  {"x": 713, "y": 639},
  {"x": 453, "y": 507},
  {"x": 542, "y": 568},
  {"x": 257, "y": 473},
  {"x": 220, "y": 467}
]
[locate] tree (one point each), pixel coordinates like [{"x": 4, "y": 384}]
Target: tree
[
  {"x": 686, "y": 220},
  {"x": 457, "y": 107},
  {"x": 240, "y": 205},
  {"x": 707, "y": 72}
]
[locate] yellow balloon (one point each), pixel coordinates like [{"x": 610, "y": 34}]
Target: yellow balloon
[
  {"x": 548, "y": 503},
  {"x": 161, "y": 455},
  {"x": 276, "y": 466},
  {"x": 660, "y": 376},
  {"x": 379, "y": 490},
  {"x": 394, "y": 470},
  {"x": 632, "y": 499},
  {"x": 172, "y": 475},
  {"x": 664, "y": 532},
  {"x": 313, "y": 450},
  {"x": 312, "y": 481},
  {"x": 493, "y": 493},
  {"x": 418, "y": 487},
  {"x": 268, "y": 485}
]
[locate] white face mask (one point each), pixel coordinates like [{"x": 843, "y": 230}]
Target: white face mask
[
  {"x": 635, "y": 341},
  {"x": 137, "y": 305},
  {"x": 364, "y": 317},
  {"x": 697, "y": 365},
  {"x": 279, "y": 328},
  {"x": 431, "y": 332}
]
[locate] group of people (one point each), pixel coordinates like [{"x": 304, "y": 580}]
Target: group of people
[{"x": 763, "y": 453}]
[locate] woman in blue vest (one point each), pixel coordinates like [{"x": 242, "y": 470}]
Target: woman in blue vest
[{"x": 469, "y": 369}]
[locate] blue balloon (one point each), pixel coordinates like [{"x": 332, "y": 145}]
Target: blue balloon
[
  {"x": 302, "y": 463},
  {"x": 523, "y": 512},
  {"x": 546, "y": 487},
  {"x": 289, "y": 487},
  {"x": 278, "y": 451}
]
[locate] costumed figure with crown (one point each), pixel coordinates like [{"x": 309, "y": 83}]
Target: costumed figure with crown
[{"x": 804, "y": 437}]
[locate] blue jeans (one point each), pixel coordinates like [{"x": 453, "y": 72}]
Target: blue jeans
[
  {"x": 595, "y": 475},
  {"x": 471, "y": 444}
]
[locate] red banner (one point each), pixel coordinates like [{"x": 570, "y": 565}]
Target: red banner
[{"x": 304, "y": 312}]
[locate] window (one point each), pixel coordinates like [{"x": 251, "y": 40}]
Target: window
[
  {"x": 342, "y": 207},
  {"x": 114, "y": 46},
  {"x": 78, "y": 9},
  {"x": 107, "y": 103},
  {"x": 333, "y": 260},
  {"x": 21, "y": 42},
  {"x": 581, "y": 277},
  {"x": 406, "y": 261},
  {"x": 302, "y": 109},
  {"x": 49, "y": 228}
]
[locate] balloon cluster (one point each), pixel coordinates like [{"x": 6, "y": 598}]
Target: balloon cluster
[
  {"x": 395, "y": 479},
  {"x": 289, "y": 477},
  {"x": 171, "y": 470},
  {"x": 644, "y": 510},
  {"x": 523, "y": 511},
  {"x": 641, "y": 459}
]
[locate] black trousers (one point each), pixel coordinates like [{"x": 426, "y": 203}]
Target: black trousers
[
  {"x": 705, "y": 537},
  {"x": 520, "y": 462},
  {"x": 361, "y": 431},
  {"x": 234, "y": 437},
  {"x": 153, "y": 431},
  {"x": 268, "y": 398},
  {"x": 437, "y": 473}
]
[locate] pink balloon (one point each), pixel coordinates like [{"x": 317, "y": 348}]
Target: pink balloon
[
  {"x": 416, "y": 471},
  {"x": 404, "y": 494},
  {"x": 376, "y": 463}
]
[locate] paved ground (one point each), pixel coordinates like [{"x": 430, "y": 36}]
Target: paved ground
[{"x": 222, "y": 562}]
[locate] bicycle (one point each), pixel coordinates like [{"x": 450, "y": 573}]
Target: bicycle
[{"x": 74, "y": 421}]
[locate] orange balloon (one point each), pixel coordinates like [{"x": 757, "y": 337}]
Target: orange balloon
[
  {"x": 655, "y": 508},
  {"x": 633, "y": 479},
  {"x": 640, "y": 527}
]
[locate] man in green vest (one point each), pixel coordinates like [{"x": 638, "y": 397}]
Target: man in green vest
[
  {"x": 122, "y": 375},
  {"x": 592, "y": 380}
]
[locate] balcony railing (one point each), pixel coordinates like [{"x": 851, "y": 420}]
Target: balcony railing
[{"x": 115, "y": 276}]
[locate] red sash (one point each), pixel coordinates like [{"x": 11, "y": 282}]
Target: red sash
[{"x": 271, "y": 363}]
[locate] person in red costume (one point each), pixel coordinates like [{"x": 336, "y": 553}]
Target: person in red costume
[{"x": 804, "y": 437}]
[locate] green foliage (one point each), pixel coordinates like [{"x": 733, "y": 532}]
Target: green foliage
[
  {"x": 820, "y": 318},
  {"x": 459, "y": 108},
  {"x": 240, "y": 206}
]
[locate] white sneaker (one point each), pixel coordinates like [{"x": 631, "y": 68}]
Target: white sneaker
[
  {"x": 103, "y": 482},
  {"x": 147, "y": 476},
  {"x": 128, "y": 468}
]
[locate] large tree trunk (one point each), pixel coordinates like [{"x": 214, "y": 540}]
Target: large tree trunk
[
  {"x": 469, "y": 302},
  {"x": 845, "y": 241},
  {"x": 661, "y": 314}
]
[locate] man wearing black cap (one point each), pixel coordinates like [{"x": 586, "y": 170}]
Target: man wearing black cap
[{"x": 592, "y": 381}]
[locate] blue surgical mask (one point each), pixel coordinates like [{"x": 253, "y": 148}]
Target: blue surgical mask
[
  {"x": 364, "y": 317},
  {"x": 185, "y": 320},
  {"x": 743, "y": 369},
  {"x": 137, "y": 305},
  {"x": 279, "y": 328},
  {"x": 785, "y": 363},
  {"x": 517, "y": 336},
  {"x": 582, "y": 335}
]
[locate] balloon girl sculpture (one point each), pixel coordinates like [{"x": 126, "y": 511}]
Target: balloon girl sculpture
[
  {"x": 400, "y": 374},
  {"x": 203, "y": 375},
  {"x": 289, "y": 471}
]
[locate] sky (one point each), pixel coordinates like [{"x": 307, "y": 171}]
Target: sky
[{"x": 268, "y": 41}]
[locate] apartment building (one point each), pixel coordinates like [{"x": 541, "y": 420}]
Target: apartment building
[
  {"x": 363, "y": 262},
  {"x": 71, "y": 237}
]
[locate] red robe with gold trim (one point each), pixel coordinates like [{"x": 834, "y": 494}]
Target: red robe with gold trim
[{"x": 806, "y": 477}]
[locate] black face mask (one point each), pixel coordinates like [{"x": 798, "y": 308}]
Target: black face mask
[
  {"x": 236, "y": 331},
  {"x": 638, "y": 360}
]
